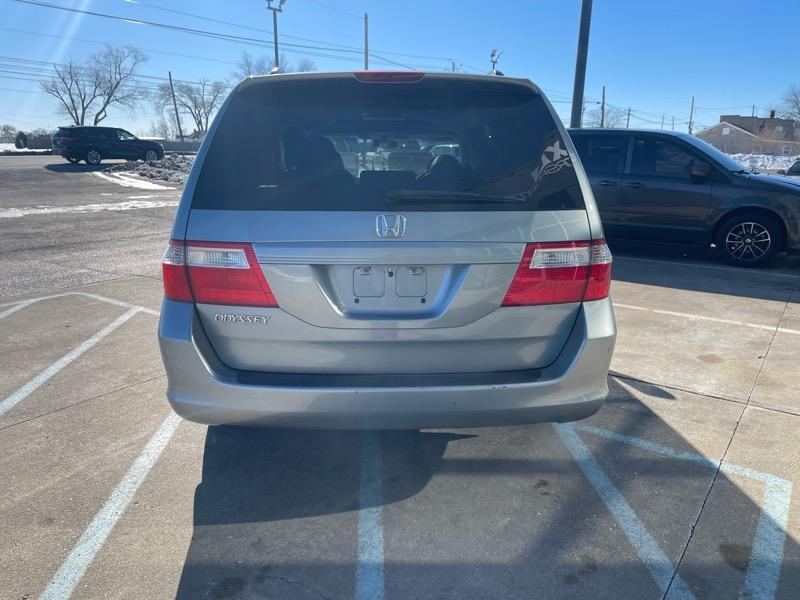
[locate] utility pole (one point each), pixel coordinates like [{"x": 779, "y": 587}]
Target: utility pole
[
  {"x": 628, "y": 123},
  {"x": 673, "y": 122},
  {"x": 691, "y": 117},
  {"x": 662, "y": 121},
  {"x": 494, "y": 57},
  {"x": 366, "y": 42},
  {"x": 175, "y": 106},
  {"x": 576, "y": 119},
  {"x": 275, "y": 10},
  {"x": 603, "y": 109},
  {"x": 453, "y": 65}
]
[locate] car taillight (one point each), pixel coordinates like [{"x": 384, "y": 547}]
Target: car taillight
[
  {"x": 66, "y": 138},
  {"x": 559, "y": 272},
  {"x": 173, "y": 273},
  {"x": 215, "y": 273}
]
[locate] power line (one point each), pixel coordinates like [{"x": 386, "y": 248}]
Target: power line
[
  {"x": 234, "y": 38},
  {"x": 99, "y": 43},
  {"x": 295, "y": 37},
  {"x": 336, "y": 8}
]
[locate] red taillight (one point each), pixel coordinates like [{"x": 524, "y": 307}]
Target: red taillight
[
  {"x": 388, "y": 76},
  {"x": 173, "y": 270},
  {"x": 215, "y": 273},
  {"x": 559, "y": 272},
  {"x": 66, "y": 138}
]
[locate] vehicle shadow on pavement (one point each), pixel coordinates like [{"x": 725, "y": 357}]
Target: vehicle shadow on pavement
[
  {"x": 494, "y": 513},
  {"x": 775, "y": 282},
  {"x": 259, "y": 483},
  {"x": 66, "y": 167}
]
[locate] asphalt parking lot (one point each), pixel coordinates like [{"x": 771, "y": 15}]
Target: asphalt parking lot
[{"x": 682, "y": 486}]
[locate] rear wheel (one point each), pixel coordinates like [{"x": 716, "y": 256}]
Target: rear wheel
[
  {"x": 93, "y": 157},
  {"x": 151, "y": 155},
  {"x": 749, "y": 239}
]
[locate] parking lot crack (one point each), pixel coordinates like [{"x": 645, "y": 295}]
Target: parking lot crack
[
  {"x": 79, "y": 402},
  {"x": 724, "y": 456}
]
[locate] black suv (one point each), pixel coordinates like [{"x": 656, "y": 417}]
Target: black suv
[
  {"x": 672, "y": 187},
  {"x": 93, "y": 144}
]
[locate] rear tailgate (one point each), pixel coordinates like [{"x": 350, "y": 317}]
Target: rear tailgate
[{"x": 377, "y": 269}]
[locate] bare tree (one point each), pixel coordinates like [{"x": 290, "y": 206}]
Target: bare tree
[
  {"x": 200, "y": 101},
  {"x": 88, "y": 91},
  {"x": 612, "y": 118},
  {"x": 790, "y": 108},
  {"x": 75, "y": 88},
  {"x": 304, "y": 65},
  {"x": 249, "y": 65},
  {"x": 116, "y": 68},
  {"x": 8, "y": 133},
  {"x": 162, "y": 127}
]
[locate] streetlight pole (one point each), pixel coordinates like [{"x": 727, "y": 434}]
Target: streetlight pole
[
  {"x": 366, "y": 42},
  {"x": 275, "y": 10},
  {"x": 580, "y": 63}
]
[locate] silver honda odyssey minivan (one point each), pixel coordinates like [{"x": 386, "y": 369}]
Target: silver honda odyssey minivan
[{"x": 385, "y": 250}]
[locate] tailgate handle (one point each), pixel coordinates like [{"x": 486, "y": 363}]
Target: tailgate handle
[{"x": 608, "y": 183}]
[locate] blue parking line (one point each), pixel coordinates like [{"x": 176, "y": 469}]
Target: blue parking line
[
  {"x": 369, "y": 572},
  {"x": 643, "y": 544},
  {"x": 766, "y": 556}
]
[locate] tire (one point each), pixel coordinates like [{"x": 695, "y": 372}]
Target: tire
[
  {"x": 151, "y": 155},
  {"x": 93, "y": 157},
  {"x": 750, "y": 239}
]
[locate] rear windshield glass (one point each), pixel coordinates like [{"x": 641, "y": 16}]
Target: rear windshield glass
[{"x": 340, "y": 144}]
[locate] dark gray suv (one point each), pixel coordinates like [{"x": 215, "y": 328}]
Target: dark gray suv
[{"x": 672, "y": 187}]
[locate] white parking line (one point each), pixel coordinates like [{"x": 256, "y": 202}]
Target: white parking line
[
  {"x": 645, "y": 546},
  {"x": 62, "y": 362},
  {"x": 369, "y": 572},
  {"x": 69, "y": 574},
  {"x": 766, "y": 555},
  {"x": 15, "y": 306},
  {"x": 695, "y": 317}
]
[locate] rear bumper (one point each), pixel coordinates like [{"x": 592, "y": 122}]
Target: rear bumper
[{"x": 202, "y": 389}]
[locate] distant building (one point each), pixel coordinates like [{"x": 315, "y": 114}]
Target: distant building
[{"x": 754, "y": 135}]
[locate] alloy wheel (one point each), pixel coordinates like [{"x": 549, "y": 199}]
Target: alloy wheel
[
  {"x": 93, "y": 157},
  {"x": 748, "y": 241}
]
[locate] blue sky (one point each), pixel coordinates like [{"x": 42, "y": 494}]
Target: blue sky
[{"x": 652, "y": 56}]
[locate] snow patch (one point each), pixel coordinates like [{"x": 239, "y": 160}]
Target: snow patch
[
  {"x": 11, "y": 213},
  {"x": 764, "y": 162},
  {"x": 10, "y": 148},
  {"x": 173, "y": 168}
]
